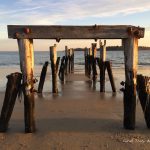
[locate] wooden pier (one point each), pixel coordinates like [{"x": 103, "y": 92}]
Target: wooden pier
[{"x": 25, "y": 34}]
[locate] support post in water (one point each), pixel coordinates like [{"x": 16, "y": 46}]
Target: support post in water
[
  {"x": 12, "y": 88},
  {"x": 57, "y": 64},
  {"x": 72, "y": 61},
  {"x": 130, "y": 46},
  {"x": 94, "y": 53},
  {"x": 69, "y": 59},
  {"x": 66, "y": 60},
  {"x": 42, "y": 77},
  {"x": 143, "y": 90},
  {"x": 62, "y": 70},
  {"x": 110, "y": 74},
  {"x": 102, "y": 67},
  {"x": 86, "y": 60},
  {"x": 27, "y": 65},
  {"x": 53, "y": 59},
  {"x": 89, "y": 62}
]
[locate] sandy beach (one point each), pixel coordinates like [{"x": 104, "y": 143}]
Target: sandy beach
[{"x": 78, "y": 118}]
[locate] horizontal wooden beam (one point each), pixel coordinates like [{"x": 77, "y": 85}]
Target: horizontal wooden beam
[{"x": 74, "y": 32}]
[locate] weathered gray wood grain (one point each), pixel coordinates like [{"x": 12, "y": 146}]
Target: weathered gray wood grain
[{"x": 73, "y": 32}]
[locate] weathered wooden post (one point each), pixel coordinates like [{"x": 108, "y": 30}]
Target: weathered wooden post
[
  {"x": 130, "y": 46},
  {"x": 53, "y": 59},
  {"x": 94, "y": 53},
  {"x": 12, "y": 88},
  {"x": 57, "y": 64},
  {"x": 72, "y": 61},
  {"x": 102, "y": 69},
  {"x": 89, "y": 62},
  {"x": 69, "y": 59},
  {"x": 62, "y": 70},
  {"x": 143, "y": 90},
  {"x": 110, "y": 74},
  {"x": 66, "y": 60},
  {"x": 86, "y": 60},
  {"x": 27, "y": 66},
  {"x": 42, "y": 77}
]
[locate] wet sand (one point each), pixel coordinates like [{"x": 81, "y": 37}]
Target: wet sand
[{"x": 78, "y": 118}]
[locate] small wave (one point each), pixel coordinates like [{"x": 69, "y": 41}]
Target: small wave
[
  {"x": 144, "y": 64},
  {"x": 12, "y": 64}
]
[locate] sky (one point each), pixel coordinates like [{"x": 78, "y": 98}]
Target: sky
[{"x": 72, "y": 12}]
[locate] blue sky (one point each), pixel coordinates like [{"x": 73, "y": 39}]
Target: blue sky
[{"x": 72, "y": 12}]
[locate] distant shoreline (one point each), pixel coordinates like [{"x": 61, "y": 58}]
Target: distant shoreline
[{"x": 117, "y": 48}]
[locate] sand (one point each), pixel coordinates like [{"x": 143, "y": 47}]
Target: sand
[{"x": 78, "y": 118}]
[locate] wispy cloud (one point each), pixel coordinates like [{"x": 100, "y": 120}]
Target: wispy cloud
[
  {"x": 48, "y": 10},
  {"x": 11, "y": 12},
  {"x": 57, "y": 12}
]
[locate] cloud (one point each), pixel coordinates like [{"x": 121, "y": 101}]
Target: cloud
[
  {"x": 56, "y": 12},
  {"x": 49, "y": 11},
  {"x": 11, "y": 12}
]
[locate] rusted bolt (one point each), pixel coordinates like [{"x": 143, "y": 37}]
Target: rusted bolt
[
  {"x": 136, "y": 33},
  {"x": 16, "y": 34},
  {"x": 122, "y": 83},
  {"x": 35, "y": 80},
  {"x": 27, "y": 30},
  {"x": 130, "y": 30},
  {"x": 122, "y": 89}
]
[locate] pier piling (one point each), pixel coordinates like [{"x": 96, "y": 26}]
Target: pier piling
[
  {"x": 62, "y": 70},
  {"x": 12, "y": 88},
  {"x": 42, "y": 77},
  {"x": 102, "y": 66},
  {"x": 94, "y": 53},
  {"x": 143, "y": 90},
  {"x": 131, "y": 60},
  {"x": 110, "y": 74},
  {"x": 27, "y": 66},
  {"x": 53, "y": 59}
]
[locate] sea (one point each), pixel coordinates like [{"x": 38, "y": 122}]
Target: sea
[
  {"x": 11, "y": 59},
  {"x": 9, "y": 62}
]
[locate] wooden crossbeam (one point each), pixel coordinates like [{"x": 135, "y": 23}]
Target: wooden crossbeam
[{"x": 74, "y": 32}]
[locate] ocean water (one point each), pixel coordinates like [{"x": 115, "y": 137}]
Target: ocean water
[
  {"x": 9, "y": 63},
  {"x": 11, "y": 59}
]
